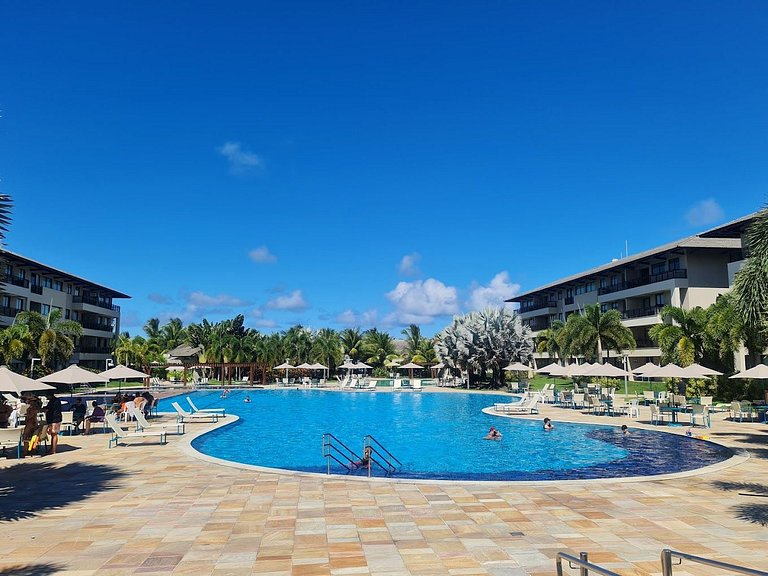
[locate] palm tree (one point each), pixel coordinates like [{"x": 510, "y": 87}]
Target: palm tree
[
  {"x": 413, "y": 340},
  {"x": 351, "y": 342},
  {"x": 591, "y": 331},
  {"x": 377, "y": 346},
  {"x": 5, "y": 219},
  {"x": 152, "y": 329},
  {"x": 298, "y": 343},
  {"x": 549, "y": 340},
  {"x": 326, "y": 348},
  {"x": 681, "y": 336},
  {"x": 53, "y": 335},
  {"x": 15, "y": 342},
  {"x": 750, "y": 286},
  {"x": 173, "y": 334}
]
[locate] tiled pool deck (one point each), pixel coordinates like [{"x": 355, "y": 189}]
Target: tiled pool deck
[{"x": 151, "y": 509}]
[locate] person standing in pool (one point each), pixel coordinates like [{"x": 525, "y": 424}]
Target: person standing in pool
[
  {"x": 493, "y": 434},
  {"x": 548, "y": 425}
]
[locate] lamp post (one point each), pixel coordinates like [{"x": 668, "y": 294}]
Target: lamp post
[
  {"x": 32, "y": 367},
  {"x": 626, "y": 377},
  {"x": 108, "y": 363}
]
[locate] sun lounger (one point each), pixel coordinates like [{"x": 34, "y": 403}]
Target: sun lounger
[
  {"x": 417, "y": 384},
  {"x": 142, "y": 424},
  {"x": 526, "y": 406},
  {"x": 184, "y": 416},
  {"x": 195, "y": 409},
  {"x": 119, "y": 435},
  {"x": 11, "y": 438}
]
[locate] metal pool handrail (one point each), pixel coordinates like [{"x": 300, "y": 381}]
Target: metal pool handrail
[
  {"x": 582, "y": 562},
  {"x": 666, "y": 563}
]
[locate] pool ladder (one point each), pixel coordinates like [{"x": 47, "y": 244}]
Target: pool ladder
[{"x": 334, "y": 449}]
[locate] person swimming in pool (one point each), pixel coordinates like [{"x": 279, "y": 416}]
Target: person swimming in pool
[
  {"x": 493, "y": 434},
  {"x": 548, "y": 424},
  {"x": 247, "y": 398}
]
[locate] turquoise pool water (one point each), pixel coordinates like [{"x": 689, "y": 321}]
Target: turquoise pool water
[{"x": 436, "y": 436}]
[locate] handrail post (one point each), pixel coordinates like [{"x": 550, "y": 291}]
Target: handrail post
[
  {"x": 666, "y": 562},
  {"x": 583, "y": 571}
]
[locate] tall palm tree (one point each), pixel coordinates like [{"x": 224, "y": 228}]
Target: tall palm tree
[
  {"x": 413, "y": 340},
  {"x": 681, "y": 335},
  {"x": 326, "y": 348},
  {"x": 750, "y": 286},
  {"x": 377, "y": 346},
  {"x": 173, "y": 333},
  {"x": 54, "y": 335},
  {"x": 351, "y": 342},
  {"x": 152, "y": 329},
  {"x": 5, "y": 220},
  {"x": 592, "y": 331},
  {"x": 549, "y": 340}
]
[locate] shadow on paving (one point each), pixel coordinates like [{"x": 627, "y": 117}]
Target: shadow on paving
[
  {"x": 755, "y": 512},
  {"x": 32, "y": 570},
  {"x": 23, "y": 491}
]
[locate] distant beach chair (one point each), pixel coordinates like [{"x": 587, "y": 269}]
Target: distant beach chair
[
  {"x": 142, "y": 424},
  {"x": 184, "y": 416},
  {"x": 417, "y": 384},
  {"x": 196, "y": 410},
  {"x": 119, "y": 435}
]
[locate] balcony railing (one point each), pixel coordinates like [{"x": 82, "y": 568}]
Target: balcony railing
[
  {"x": 538, "y": 325},
  {"x": 36, "y": 288},
  {"x": 641, "y": 312},
  {"x": 645, "y": 343},
  {"x": 16, "y": 281},
  {"x": 634, "y": 283},
  {"x": 94, "y": 302},
  {"x": 8, "y": 311},
  {"x": 537, "y": 305},
  {"x": 93, "y": 325},
  {"x": 93, "y": 349}
]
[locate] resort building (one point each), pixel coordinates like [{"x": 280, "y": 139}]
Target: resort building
[
  {"x": 30, "y": 285},
  {"x": 688, "y": 273}
]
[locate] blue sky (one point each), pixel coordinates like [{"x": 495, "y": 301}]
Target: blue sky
[{"x": 367, "y": 163}]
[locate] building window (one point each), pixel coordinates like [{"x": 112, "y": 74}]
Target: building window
[
  {"x": 579, "y": 289},
  {"x": 6, "y": 302},
  {"x": 659, "y": 268},
  {"x": 69, "y": 288},
  {"x": 590, "y": 286},
  {"x": 67, "y": 314},
  {"x": 674, "y": 264},
  {"x": 603, "y": 282},
  {"x": 603, "y": 308},
  {"x": 75, "y": 315},
  {"x": 569, "y": 293},
  {"x": 47, "y": 282},
  {"x": 660, "y": 300},
  {"x": 614, "y": 305},
  {"x": 8, "y": 270},
  {"x": 19, "y": 304},
  {"x": 77, "y": 291},
  {"x": 35, "y": 280},
  {"x": 646, "y": 302},
  {"x": 45, "y": 309},
  {"x": 615, "y": 279},
  {"x": 58, "y": 285}
]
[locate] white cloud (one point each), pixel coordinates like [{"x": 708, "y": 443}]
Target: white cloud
[
  {"x": 409, "y": 265},
  {"x": 203, "y": 300},
  {"x": 351, "y": 318},
  {"x": 704, "y": 213},
  {"x": 262, "y": 255},
  {"x": 494, "y": 294},
  {"x": 420, "y": 301},
  {"x": 199, "y": 305},
  {"x": 257, "y": 319},
  {"x": 240, "y": 160},
  {"x": 293, "y": 301}
]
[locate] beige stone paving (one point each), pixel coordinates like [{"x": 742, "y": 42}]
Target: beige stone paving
[{"x": 151, "y": 509}]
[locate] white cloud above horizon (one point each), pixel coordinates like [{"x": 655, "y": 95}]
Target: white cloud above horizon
[
  {"x": 293, "y": 301},
  {"x": 240, "y": 160},
  {"x": 421, "y": 301},
  {"x": 409, "y": 264},
  {"x": 351, "y": 319},
  {"x": 256, "y": 317},
  {"x": 198, "y": 304},
  {"x": 704, "y": 213},
  {"x": 499, "y": 289},
  {"x": 262, "y": 255}
]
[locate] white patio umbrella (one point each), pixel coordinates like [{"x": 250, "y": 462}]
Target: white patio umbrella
[
  {"x": 319, "y": 366},
  {"x": 362, "y": 366},
  {"x": 670, "y": 370},
  {"x": 582, "y": 369},
  {"x": 759, "y": 372},
  {"x": 699, "y": 371},
  {"x": 647, "y": 367},
  {"x": 607, "y": 371},
  {"x": 121, "y": 372},
  {"x": 567, "y": 371},
  {"x": 74, "y": 375},
  {"x": 10, "y": 381},
  {"x": 304, "y": 366},
  {"x": 517, "y": 367},
  {"x": 547, "y": 368},
  {"x": 411, "y": 366},
  {"x": 284, "y": 366}
]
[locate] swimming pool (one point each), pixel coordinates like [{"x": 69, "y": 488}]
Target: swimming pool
[{"x": 436, "y": 436}]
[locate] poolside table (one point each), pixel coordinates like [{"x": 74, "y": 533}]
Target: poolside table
[{"x": 673, "y": 410}]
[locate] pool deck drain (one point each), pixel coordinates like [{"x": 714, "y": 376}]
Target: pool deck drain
[{"x": 151, "y": 509}]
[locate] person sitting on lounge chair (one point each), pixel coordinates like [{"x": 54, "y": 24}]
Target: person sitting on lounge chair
[
  {"x": 96, "y": 416},
  {"x": 78, "y": 413}
]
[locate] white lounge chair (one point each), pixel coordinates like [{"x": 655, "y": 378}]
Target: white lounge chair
[
  {"x": 11, "y": 438},
  {"x": 119, "y": 435},
  {"x": 371, "y": 385},
  {"x": 527, "y": 406},
  {"x": 417, "y": 384},
  {"x": 184, "y": 416},
  {"x": 195, "y": 409},
  {"x": 142, "y": 424}
]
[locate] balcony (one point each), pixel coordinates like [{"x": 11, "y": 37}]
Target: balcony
[
  {"x": 537, "y": 305},
  {"x": 645, "y": 343},
  {"x": 8, "y": 311},
  {"x": 95, "y": 302},
  {"x": 537, "y": 324},
  {"x": 36, "y": 289},
  {"x": 93, "y": 349},
  {"x": 671, "y": 275},
  {"x": 16, "y": 281},
  {"x": 641, "y": 312},
  {"x": 91, "y": 324},
  {"x": 569, "y": 300}
]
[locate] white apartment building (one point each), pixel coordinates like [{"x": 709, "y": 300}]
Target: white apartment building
[
  {"x": 688, "y": 273},
  {"x": 31, "y": 285}
]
